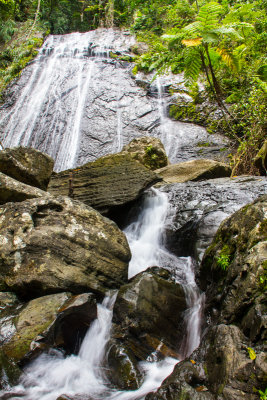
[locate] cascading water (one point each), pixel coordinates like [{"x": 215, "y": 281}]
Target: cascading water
[{"x": 52, "y": 375}]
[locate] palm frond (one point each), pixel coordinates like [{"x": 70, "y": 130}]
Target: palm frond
[
  {"x": 192, "y": 42},
  {"x": 208, "y": 16},
  {"x": 192, "y": 62}
]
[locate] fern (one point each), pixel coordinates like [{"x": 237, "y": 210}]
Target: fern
[
  {"x": 192, "y": 61},
  {"x": 208, "y": 16}
]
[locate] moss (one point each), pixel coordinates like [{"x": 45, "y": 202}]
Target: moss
[
  {"x": 203, "y": 144},
  {"x": 18, "y": 53}
]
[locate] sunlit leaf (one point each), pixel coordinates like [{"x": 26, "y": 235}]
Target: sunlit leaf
[{"x": 192, "y": 42}]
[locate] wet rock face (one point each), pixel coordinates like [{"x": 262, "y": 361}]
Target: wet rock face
[
  {"x": 148, "y": 151},
  {"x": 123, "y": 371},
  {"x": 148, "y": 314},
  {"x": 220, "y": 368},
  {"x": 198, "y": 208},
  {"x": 195, "y": 170},
  {"x": 29, "y": 166},
  {"x": 13, "y": 190},
  {"x": 106, "y": 184},
  {"x": 117, "y": 106},
  {"x": 233, "y": 271},
  {"x": 58, "y": 244}
]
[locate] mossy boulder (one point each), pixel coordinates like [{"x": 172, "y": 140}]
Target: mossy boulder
[
  {"x": 31, "y": 321},
  {"x": 194, "y": 170},
  {"x": 105, "y": 184},
  {"x": 27, "y": 165},
  {"x": 233, "y": 270},
  {"x": 13, "y": 190},
  {"x": 221, "y": 368},
  {"x": 149, "y": 151},
  {"x": 148, "y": 314},
  {"x": 123, "y": 370},
  {"x": 60, "y": 244}
]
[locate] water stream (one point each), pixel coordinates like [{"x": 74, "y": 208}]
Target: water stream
[{"x": 52, "y": 375}]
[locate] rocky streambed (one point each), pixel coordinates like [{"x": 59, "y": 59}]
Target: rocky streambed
[{"x": 60, "y": 257}]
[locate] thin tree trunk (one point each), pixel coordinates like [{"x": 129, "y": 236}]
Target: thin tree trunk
[
  {"x": 206, "y": 69},
  {"x": 36, "y": 16}
]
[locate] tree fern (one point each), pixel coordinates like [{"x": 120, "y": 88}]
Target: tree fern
[
  {"x": 208, "y": 16},
  {"x": 193, "y": 64}
]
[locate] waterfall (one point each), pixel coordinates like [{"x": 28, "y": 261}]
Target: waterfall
[{"x": 52, "y": 375}]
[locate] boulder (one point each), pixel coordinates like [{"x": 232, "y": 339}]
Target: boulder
[
  {"x": 194, "y": 170},
  {"x": 233, "y": 271},
  {"x": 13, "y": 190},
  {"x": 198, "y": 208},
  {"x": 27, "y": 165},
  {"x": 149, "y": 151},
  {"x": 70, "y": 327},
  {"x": 31, "y": 321},
  {"x": 260, "y": 160},
  {"x": 148, "y": 314},
  {"x": 60, "y": 244},
  {"x": 105, "y": 184},
  {"x": 221, "y": 368},
  {"x": 123, "y": 371}
]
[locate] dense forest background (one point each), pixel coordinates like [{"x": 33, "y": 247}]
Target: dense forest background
[{"x": 221, "y": 44}]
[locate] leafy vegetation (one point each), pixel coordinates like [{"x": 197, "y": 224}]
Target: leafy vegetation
[{"x": 220, "y": 44}]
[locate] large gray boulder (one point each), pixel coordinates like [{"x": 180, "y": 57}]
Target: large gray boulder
[
  {"x": 105, "y": 184},
  {"x": 13, "y": 190},
  {"x": 59, "y": 244},
  {"x": 27, "y": 165},
  {"x": 198, "y": 208},
  {"x": 194, "y": 170}
]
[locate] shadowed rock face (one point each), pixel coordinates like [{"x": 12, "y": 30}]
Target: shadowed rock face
[
  {"x": 13, "y": 190},
  {"x": 219, "y": 369},
  {"x": 29, "y": 166},
  {"x": 58, "y": 244},
  {"x": 105, "y": 184},
  {"x": 148, "y": 314}
]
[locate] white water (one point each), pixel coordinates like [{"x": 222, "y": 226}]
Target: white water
[{"x": 52, "y": 375}]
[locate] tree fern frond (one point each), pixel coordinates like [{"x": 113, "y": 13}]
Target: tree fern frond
[
  {"x": 229, "y": 30},
  {"x": 208, "y": 16},
  {"x": 192, "y": 42},
  {"x": 228, "y": 59},
  {"x": 192, "y": 65},
  {"x": 192, "y": 29}
]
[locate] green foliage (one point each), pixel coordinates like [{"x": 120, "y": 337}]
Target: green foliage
[
  {"x": 224, "y": 258},
  {"x": 263, "y": 395}
]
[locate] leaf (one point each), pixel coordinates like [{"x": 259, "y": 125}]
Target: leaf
[
  {"x": 251, "y": 353},
  {"x": 228, "y": 58},
  {"x": 192, "y": 42}
]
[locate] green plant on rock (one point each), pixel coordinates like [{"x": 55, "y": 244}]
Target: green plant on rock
[
  {"x": 263, "y": 395},
  {"x": 224, "y": 258}
]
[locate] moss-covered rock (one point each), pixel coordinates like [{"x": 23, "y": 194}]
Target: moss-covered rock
[
  {"x": 221, "y": 368},
  {"x": 233, "y": 270},
  {"x": 59, "y": 244},
  {"x": 27, "y": 165},
  {"x": 105, "y": 184},
  {"x": 34, "y": 318},
  {"x": 149, "y": 151},
  {"x": 194, "y": 170},
  {"x": 123, "y": 370}
]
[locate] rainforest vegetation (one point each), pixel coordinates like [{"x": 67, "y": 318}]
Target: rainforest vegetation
[{"x": 219, "y": 45}]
